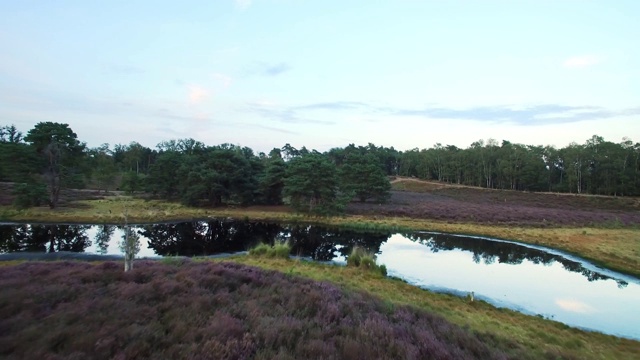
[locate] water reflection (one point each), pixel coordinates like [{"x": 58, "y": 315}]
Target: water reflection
[
  {"x": 44, "y": 238},
  {"x": 491, "y": 251},
  {"x": 216, "y": 236},
  {"x": 207, "y": 238},
  {"x": 201, "y": 238}
]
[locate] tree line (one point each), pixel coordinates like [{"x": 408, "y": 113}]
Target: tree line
[{"x": 50, "y": 157}]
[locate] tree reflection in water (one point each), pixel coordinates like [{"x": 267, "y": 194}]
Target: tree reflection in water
[
  {"x": 201, "y": 238},
  {"x": 44, "y": 238},
  {"x": 217, "y": 236}
]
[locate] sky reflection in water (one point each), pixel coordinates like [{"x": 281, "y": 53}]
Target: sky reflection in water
[{"x": 548, "y": 289}]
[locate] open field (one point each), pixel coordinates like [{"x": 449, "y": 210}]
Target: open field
[
  {"x": 194, "y": 309},
  {"x": 438, "y": 201}
]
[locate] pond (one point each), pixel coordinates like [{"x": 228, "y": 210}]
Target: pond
[{"x": 529, "y": 279}]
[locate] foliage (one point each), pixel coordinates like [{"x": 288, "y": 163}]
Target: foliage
[
  {"x": 278, "y": 250},
  {"x": 10, "y": 134},
  {"x": 360, "y": 258},
  {"x": 363, "y": 176},
  {"x": 595, "y": 167},
  {"x": 62, "y": 153},
  {"x": 132, "y": 182},
  {"x": 222, "y": 311},
  {"x": 311, "y": 184},
  {"x": 18, "y": 162},
  {"x": 272, "y": 181},
  {"x": 102, "y": 166},
  {"x": 29, "y": 195}
]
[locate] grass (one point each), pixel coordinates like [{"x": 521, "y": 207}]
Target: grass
[
  {"x": 362, "y": 259},
  {"x": 538, "y": 336},
  {"x": 278, "y": 250},
  {"x": 616, "y": 248}
]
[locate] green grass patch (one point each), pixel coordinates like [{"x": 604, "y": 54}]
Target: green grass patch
[
  {"x": 359, "y": 258},
  {"x": 278, "y": 250}
]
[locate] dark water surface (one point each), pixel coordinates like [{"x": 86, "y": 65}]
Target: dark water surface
[{"x": 529, "y": 279}]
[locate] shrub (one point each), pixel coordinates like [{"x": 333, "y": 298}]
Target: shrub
[
  {"x": 279, "y": 250},
  {"x": 365, "y": 260},
  {"x": 29, "y": 194},
  {"x": 282, "y": 250},
  {"x": 259, "y": 250}
]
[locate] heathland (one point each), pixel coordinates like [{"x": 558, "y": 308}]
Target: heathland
[
  {"x": 143, "y": 302},
  {"x": 568, "y": 199}
]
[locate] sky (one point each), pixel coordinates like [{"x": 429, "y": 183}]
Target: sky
[{"x": 323, "y": 74}]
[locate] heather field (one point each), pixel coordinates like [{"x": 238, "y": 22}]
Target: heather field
[
  {"x": 198, "y": 310},
  {"x": 436, "y": 201},
  {"x": 179, "y": 309}
]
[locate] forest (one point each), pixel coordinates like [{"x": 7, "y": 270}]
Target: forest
[{"x": 50, "y": 157}]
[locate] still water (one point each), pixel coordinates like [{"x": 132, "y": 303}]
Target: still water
[{"x": 529, "y": 279}]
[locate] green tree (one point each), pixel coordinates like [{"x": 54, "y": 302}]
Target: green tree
[
  {"x": 164, "y": 175},
  {"x": 362, "y": 176},
  {"x": 103, "y": 167},
  {"x": 311, "y": 184},
  {"x": 29, "y": 195},
  {"x": 10, "y": 134},
  {"x": 61, "y": 152},
  {"x": 272, "y": 181},
  {"x": 132, "y": 182}
]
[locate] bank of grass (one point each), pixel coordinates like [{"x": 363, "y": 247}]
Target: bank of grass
[
  {"x": 362, "y": 259},
  {"x": 617, "y": 248},
  {"x": 540, "y": 337},
  {"x": 278, "y": 250}
]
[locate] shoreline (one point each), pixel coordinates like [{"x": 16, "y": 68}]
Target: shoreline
[{"x": 614, "y": 248}]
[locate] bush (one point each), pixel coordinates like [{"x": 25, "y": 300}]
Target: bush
[
  {"x": 282, "y": 250},
  {"x": 29, "y": 194},
  {"x": 365, "y": 260},
  {"x": 279, "y": 250},
  {"x": 260, "y": 250}
]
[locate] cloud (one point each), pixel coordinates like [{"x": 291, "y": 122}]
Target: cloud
[
  {"x": 577, "y": 62},
  {"x": 541, "y": 114},
  {"x": 286, "y": 114},
  {"x": 533, "y": 115},
  {"x": 272, "y": 69},
  {"x": 574, "y": 306},
  {"x": 335, "y": 105},
  {"x": 197, "y": 94},
  {"x": 243, "y": 4}
]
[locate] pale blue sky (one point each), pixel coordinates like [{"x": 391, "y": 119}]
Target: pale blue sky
[{"x": 262, "y": 73}]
